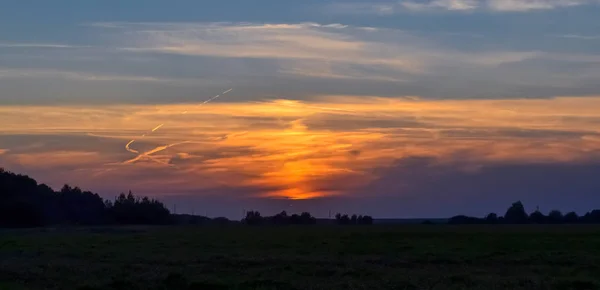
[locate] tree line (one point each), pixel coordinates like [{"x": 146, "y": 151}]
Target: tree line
[
  {"x": 353, "y": 220},
  {"x": 305, "y": 218},
  {"x": 25, "y": 203},
  {"x": 282, "y": 218},
  {"x": 516, "y": 214}
]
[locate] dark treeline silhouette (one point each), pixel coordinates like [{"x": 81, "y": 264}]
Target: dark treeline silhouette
[
  {"x": 131, "y": 210},
  {"x": 516, "y": 214},
  {"x": 188, "y": 219},
  {"x": 25, "y": 203},
  {"x": 353, "y": 220},
  {"x": 305, "y": 218},
  {"x": 282, "y": 218}
]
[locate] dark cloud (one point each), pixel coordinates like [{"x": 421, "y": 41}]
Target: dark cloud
[
  {"x": 424, "y": 187},
  {"x": 195, "y": 155},
  {"x": 258, "y": 123},
  {"x": 513, "y": 133},
  {"x": 35, "y": 143},
  {"x": 351, "y": 123}
]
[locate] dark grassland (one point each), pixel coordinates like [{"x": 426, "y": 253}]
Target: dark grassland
[{"x": 313, "y": 257}]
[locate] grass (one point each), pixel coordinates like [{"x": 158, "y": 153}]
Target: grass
[{"x": 376, "y": 257}]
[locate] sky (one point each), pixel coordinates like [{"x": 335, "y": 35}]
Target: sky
[{"x": 397, "y": 109}]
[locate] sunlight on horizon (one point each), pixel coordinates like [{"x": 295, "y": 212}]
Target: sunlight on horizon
[{"x": 294, "y": 149}]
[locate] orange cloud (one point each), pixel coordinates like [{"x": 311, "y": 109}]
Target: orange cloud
[
  {"x": 56, "y": 159},
  {"x": 302, "y": 150}
]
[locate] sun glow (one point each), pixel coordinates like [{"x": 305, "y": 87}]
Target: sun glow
[{"x": 292, "y": 149}]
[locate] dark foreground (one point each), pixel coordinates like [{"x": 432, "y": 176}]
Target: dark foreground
[{"x": 377, "y": 257}]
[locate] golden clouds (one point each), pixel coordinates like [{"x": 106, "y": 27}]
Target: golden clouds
[
  {"x": 302, "y": 150},
  {"x": 55, "y": 159}
]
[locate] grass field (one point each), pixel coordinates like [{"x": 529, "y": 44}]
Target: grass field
[{"x": 318, "y": 257}]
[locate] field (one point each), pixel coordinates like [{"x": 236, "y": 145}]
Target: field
[{"x": 318, "y": 257}]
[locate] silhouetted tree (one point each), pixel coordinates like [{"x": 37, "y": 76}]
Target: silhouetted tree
[
  {"x": 571, "y": 218},
  {"x": 307, "y": 219},
  {"x": 127, "y": 209},
  {"x": 516, "y": 214},
  {"x": 253, "y": 218},
  {"x": 365, "y": 220},
  {"x": 353, "y": 220},
  {"x": 465, "y": 220},
  {"x": 295, "y": 219},
  {"x": 491, "y": 218},
  {"x": 592, "y": 217},
  {"x": 281, "y": 218},
  {"x": 342, "y": 219},
  {"x": 537, "y": 217},
  {"x": 555, "y": 217},
  {"x": 24, "y": 203},
  {"x": 220, "y": 221}
]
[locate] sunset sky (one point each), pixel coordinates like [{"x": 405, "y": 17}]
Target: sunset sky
[{"x": 390, "y": 108}]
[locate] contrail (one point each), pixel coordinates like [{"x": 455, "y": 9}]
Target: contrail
[
  {"x": 211, "y": 99},
  {"x": 157, "y": 127},
  {"x": 147, "y": 155},
  {"x": 155, "y": 150},
  {"x": 129, "y": 148},
  {"x": 160, "y": 148}
]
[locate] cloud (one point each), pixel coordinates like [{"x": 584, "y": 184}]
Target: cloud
[
  {"x": 298, "y": 59},
  {"x": 580, "y": 37},
  {"x": 40, "y": 45},
  {"x": 56, "y": 160},
  {"x": 452, "y": 5},
  {"x": 424, "y": 187},
  {"x": 282, "y": 148},
  {"x": 304, "y": 41},
  {"x": 363, "y": 8},
  {"x": 12, "y": 73},
  {"x": 528, "y": 5},
  {"x": 3, "y": 151},
  {"x": 327, "y": 70},
  {"x": 421, "y": 187},
  {"x": 312, "y": 50},
  {"x": 390, "y": 8}
]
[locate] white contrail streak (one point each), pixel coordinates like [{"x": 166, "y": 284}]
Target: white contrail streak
[
  {"x": 160, "y": 148},
  {"x": 148, "y": 154},
  {"x": 129, "y": 148},
  {"x": 211, "y": 99},
  {"x": 157, "y": 127}
]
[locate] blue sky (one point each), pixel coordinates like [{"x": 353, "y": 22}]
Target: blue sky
[
  {"x": 341, "y": 104},
  {"x": 456, "y": 49}
]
